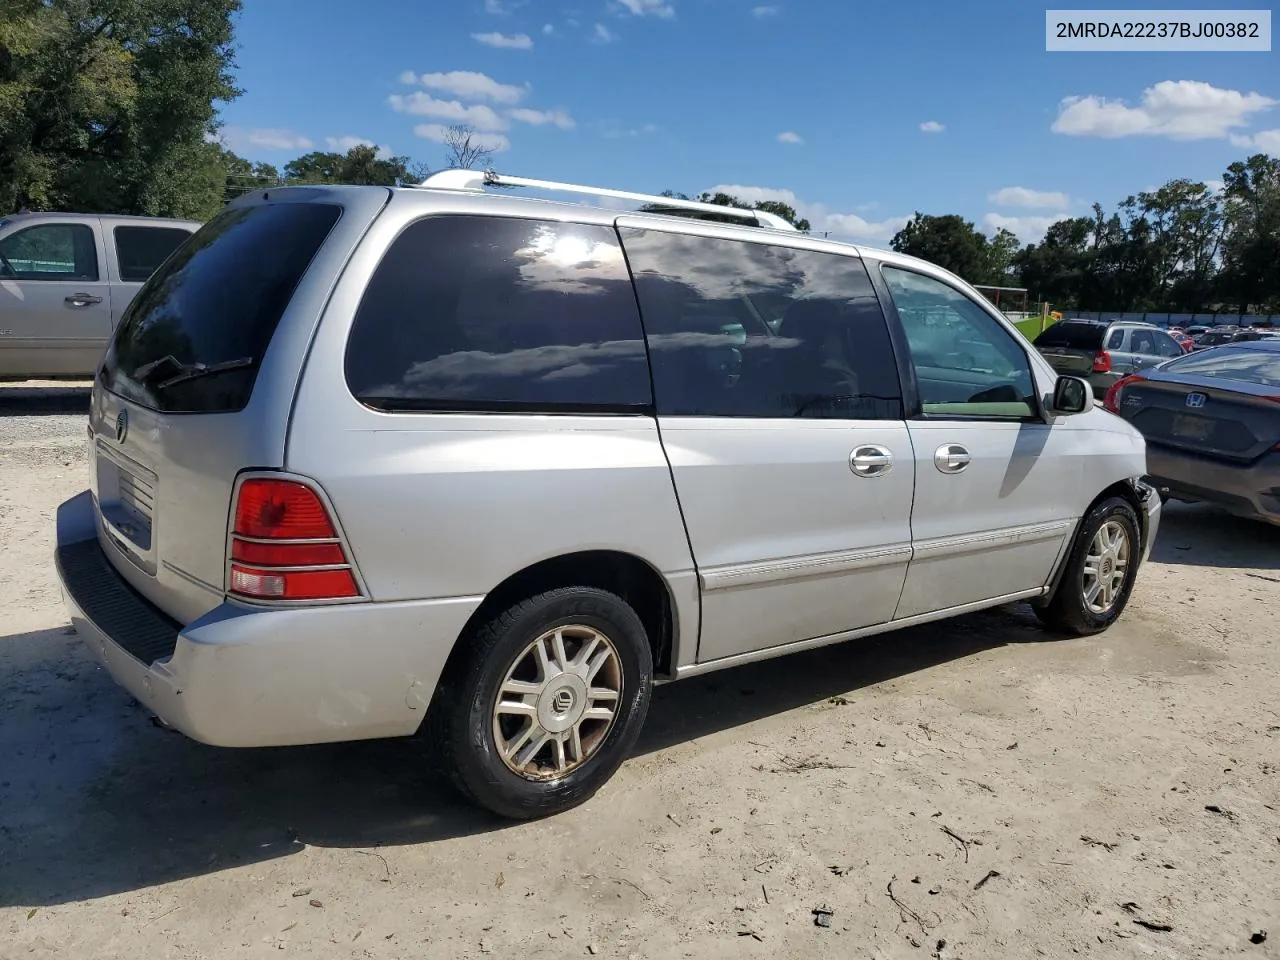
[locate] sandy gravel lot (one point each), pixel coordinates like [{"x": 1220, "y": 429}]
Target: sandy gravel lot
[{"x": 973, "y": 789}]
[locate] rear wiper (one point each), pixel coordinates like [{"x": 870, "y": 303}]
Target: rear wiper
[
  {"x": 185, "y": 371},
  {"x": 194, "y": 371}
]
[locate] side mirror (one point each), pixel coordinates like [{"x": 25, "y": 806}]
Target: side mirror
[{"x": 1071, "y": 395}]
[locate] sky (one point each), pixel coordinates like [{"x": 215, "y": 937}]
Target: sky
[{"x": 856, "y": 113}]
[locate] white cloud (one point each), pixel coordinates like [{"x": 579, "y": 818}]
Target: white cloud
[
  {"x": 647, "y": 8},
  {"x": 408, "y": 78},
  {"x": 763, "y": 13},
  {"x": 1215, "y": 186},
  {"x": 850, "y": 226},
  {"x": 279, "y": 140},
  {"x": 844, "y": 226},
  {"x": 602, "y": 34},
  {"x": 239, "y": 140},
  {"x": 539, "y": 118},
  {"x": 1025, "y": 197},
  {"x": 788, "y": 136},
  {"x": 1177, "y": 109},
  {"x": 612, "y": 130},
  {"x": 502, "y": 41},
  {"x": 422, "y": 104},
  {"x": 438, "y": 132},
  {"x": 500, "y": 7},
  {"x": 1265, "y": 141},
  {"x": 933, "y": 126},
  {"x": 469, "y": 85},
  {"x": 345, "y": 144},
  {"x": 548, "y": 29},
  {"x": 1027, "y": 229}
]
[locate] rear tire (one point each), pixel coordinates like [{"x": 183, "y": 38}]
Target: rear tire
[
  {"x": 1100, "y": 571},
  {"x": 546, "y": 702}
]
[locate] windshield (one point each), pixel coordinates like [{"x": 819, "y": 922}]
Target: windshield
[
  {"x": 1249, "y": 364},
  {"x": 194, "y": 336}
]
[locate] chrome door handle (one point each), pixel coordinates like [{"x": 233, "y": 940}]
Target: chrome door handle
[
  {"x": 871, "y": 460},
  {"x": 82, "y": 299},
  {"x": 951, "y": 458}
]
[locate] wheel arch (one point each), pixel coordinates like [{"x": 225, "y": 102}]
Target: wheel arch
[
  {"x": 628, "y": 576},
  {"x": 1132, "y": 490}
]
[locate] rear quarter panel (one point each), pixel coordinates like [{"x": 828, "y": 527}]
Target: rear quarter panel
[{"x": 450, "y": 505}]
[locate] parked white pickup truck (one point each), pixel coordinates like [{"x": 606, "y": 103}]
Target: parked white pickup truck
[{"x": 65, "y": 281}]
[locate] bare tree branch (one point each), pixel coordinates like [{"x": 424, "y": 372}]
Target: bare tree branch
[{"x": 464, "y": 149}]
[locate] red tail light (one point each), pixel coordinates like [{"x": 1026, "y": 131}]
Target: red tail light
[
  {"x": 1112, "y": 400},
  {"x": 285, "y": 546},
  {"x": 1102, "y": 362}
]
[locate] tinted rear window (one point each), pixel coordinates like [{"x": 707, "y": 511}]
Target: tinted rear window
[
  {"x": 1065, "y": 333},
  {"x": 216, "y": 301},
  {"x": 493, "y": 314}
]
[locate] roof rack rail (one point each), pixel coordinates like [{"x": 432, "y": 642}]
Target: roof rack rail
[{"x": 476, "y": 180}]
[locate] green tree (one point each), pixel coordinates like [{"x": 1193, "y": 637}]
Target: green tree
[
  {"x": 1055, "y": 269},
  {"x": 721, "y": 199},
  {"x": 776, "y": 207},
  {"x": 106, "y": 105},
  {"x": 1250, "y": 276},
  {"x": 242, "y": 176},
  {"x": 1002, "y": 250},
  {"x": 360, "y": 165},
  {"x": 951, "y": 242},
  {"x": 1172, "y": 239},
  {"x": 786, "y": 212}
]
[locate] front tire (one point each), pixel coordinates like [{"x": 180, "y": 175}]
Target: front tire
[
  {"x": 546, "y": 702},
  {"x": 1100, "y": 571}
]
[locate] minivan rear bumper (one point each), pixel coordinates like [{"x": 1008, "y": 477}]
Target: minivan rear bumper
[{"x": 243, "y": 676}]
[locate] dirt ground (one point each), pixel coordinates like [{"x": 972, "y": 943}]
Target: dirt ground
[{"x": 971, "y": 789}]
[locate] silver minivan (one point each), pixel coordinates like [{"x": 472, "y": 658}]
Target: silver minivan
[
  {"x": 65, "y": 281},
  {"x": 483, "y": 469}
]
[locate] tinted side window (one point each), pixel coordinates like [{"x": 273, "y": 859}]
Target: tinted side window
[
  {"x": 1116, "y": 340},
  {"x": 140, "y": 250},
  {"x": 741, "y": 329},
  {"x": 966, "y": 363},
  {"x": 193, "y": 337},
  {"x": 51, "y": 251},
  {"x": 487, "y": 313}
]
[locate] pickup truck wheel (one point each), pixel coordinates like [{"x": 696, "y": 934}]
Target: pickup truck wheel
[
  {"x": 547, "y": 702},
  {"x": 1100, "y": 572}
]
